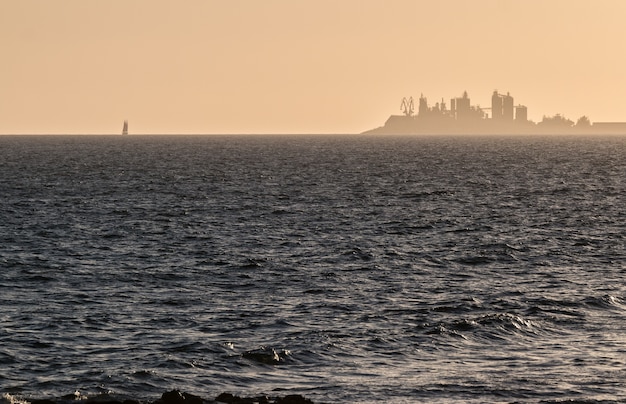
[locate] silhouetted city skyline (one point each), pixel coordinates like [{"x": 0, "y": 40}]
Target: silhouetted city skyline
[{"x": 503, "y": 116}]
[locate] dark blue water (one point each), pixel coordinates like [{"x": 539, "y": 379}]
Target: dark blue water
[{"x": 347, "y": 269}]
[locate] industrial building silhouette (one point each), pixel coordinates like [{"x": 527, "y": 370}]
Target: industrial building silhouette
[{"x": 503, "y": 117}]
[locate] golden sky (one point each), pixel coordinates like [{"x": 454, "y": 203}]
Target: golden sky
[{"x": 299, "y": 66}]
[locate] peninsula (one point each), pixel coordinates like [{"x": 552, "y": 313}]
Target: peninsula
[{"x": 503, "y": 117}]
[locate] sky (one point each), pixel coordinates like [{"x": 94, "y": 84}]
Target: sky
[{"x": 298, "y": 66}]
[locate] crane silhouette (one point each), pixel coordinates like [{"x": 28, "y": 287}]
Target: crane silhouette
[{"x": 407, "y": 106}]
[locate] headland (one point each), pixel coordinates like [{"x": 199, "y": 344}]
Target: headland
[{"x": 503, "y": 117}]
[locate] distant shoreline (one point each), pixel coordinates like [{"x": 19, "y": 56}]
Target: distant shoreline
[
  {"x": 391, "y": 131},
  {"x": 503, "y": 118},
  {"x": 380, "y": 131}
]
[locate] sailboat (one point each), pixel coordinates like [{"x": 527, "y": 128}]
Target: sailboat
[{"x": 125, "y": 128}]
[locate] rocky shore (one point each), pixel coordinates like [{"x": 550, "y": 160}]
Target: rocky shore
[{"x": 170, "y": 397}]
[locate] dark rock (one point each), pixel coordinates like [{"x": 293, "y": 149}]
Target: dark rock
[
  {"x": 172, "y": 397},
  {"x": 192, "y": 399},
  {"x": 227, "y": 398},
  {"x": 99, "y": 401},
  {"x": 231, "y": 399},
  {"x": 293, "y": 399},
  {"x": 176, "y": 397}
]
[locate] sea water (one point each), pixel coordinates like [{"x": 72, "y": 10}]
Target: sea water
[{"x": 347, "y": 269}]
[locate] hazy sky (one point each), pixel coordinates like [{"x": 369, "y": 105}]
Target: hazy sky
[{"x": 299, "y": 66}]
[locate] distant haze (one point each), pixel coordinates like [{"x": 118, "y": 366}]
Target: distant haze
[{"x": 298, "y": 66}]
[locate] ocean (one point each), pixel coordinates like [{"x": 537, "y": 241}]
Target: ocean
[{"x": 347, "y": 269}]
